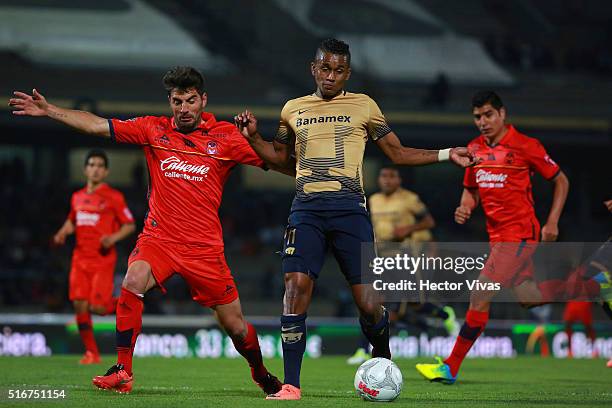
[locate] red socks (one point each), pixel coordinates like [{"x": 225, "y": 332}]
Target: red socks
[
  {"x": 86, "y": 331},
  {"x": 474, "y": 325},
  {"x": 249, "y": 349},
  {"x": 129, "y": 325}
]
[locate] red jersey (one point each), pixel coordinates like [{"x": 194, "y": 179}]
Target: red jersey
[
  {"x": 187, "y": 173},
  {"x": 94, "y": 215},
  {"x": 503, "y": 180}
]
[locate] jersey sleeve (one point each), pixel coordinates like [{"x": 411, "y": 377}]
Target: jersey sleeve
[
  {"x": 132, "y": 131},
  {"x": 377, "y": 124},
  {"x": 122, "y": 211},
  {"x": 540, "y": 161},
  {"x": 417, "y": 207},
  {"x": 469, "y": 178},
  {"x": 72, "y": 213},
  {"x": 284, "y": 134},
  {"x": 242, "y": 152}
]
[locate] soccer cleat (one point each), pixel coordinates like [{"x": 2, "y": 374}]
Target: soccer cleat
[
  {"x": 359, "y": 357},
  {"x": 116, "y": 379},
  {"x": 90, "y": 358},
  {"x": 288, "y": 392},
  {"x": 605, "y": 285},
  {"x": 439, "y": 372},
  {"x": 269, "y": 384},
  {"x": 450, "y": 324}
]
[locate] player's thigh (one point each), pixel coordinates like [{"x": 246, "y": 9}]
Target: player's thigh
[
  {"x": 304, "y": 244},
  {"x": 150, "y": 264},
  {"x": 209, "y": 278},
  {"x": 79, "y": 282},
  {"x": 351, "y": 234},
  {"x": 509, "y": 263}
]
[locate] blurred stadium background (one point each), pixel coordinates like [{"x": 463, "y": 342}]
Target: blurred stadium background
[{"x": 421, "y": 60}]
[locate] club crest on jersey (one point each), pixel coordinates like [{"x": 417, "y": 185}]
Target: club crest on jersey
[{"x": 211, "y": 147}]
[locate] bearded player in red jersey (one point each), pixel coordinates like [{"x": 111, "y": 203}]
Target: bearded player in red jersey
[
  {"x": 189, "y": 157},
  {"x": 501, "y": 182},
  {"x": 99, "y": 218}
]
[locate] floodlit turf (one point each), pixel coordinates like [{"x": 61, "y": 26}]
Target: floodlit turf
[{"x": 327, "y": 382}]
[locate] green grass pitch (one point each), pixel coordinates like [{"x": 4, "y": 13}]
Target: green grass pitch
[{"x": 326, "y": 382}]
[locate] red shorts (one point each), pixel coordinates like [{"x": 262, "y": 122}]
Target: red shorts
[
  {"x": 578, "y": 312},
  {"x": 92, "y": 280},
  {"x": 510, "y": 263},
  {"x": 206, "y": 272}
]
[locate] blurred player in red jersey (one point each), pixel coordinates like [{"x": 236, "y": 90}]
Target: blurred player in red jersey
[
  {"x": 100, "y": 218},
  {"x": 501, "y": 182},
  {"x": 189, "y": 157},
  {"x": 578, "y": 312}
]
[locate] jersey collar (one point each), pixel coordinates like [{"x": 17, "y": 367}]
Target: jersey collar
[{"x": 511, "y": 131}]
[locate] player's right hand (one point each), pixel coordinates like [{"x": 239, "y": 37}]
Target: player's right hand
[
  {"x": 608, "y": 205},
  {"x": 246, "y": 122},
  {"x": 59, "y": 239},
  {"x": 29, "y": 105},
  {"x": 462, "y": 214}
]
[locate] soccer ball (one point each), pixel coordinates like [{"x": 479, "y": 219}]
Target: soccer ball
[{"x": 378, "y": 379}]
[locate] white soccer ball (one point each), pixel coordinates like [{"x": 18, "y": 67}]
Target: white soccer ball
[{"x": 378, "y": 379}]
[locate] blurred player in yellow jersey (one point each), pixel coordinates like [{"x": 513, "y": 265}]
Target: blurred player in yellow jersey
[{"x": 399, "y": 216}]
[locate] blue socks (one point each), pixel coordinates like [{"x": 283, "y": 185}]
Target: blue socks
[{"x": 293, "y": 336}]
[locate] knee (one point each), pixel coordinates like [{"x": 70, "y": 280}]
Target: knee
[
  {"x": 136, "y": 279},
  {"x": 98, "y": 309},
  {"x": 236, "y": 329},
  {"x": 81, "y": 306}
]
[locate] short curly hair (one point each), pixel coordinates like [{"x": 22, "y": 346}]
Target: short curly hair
[
  {"x": 334, "y": 46},
  {"x": 183, "y": 78}
]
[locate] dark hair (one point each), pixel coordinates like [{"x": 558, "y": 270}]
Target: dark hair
[
  {"x": 390, "y": 167},
  {"x": 183, "y": 78},
  {"x": 97, "y": 153},
  {"x": 336, "y": 47},
  {"x": 481, "y": 98}
]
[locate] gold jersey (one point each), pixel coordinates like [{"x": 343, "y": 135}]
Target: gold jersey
[
  {"x": 400, "y": 209},
  {"x": 330, "y": 138}
]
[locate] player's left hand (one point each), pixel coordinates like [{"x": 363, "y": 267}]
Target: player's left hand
[
  {"x": 550, "y": 232},
  {"x": 107, "y": 241},
  {"x": 401, "y": 233},
  {"x": 246, "y": 122},
  {"x": 463, "y": 157}
]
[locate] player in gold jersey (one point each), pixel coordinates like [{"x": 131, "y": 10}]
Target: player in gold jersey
[
  {"x": 327, "y": 132},
  {"x": 400, "y": 217}
]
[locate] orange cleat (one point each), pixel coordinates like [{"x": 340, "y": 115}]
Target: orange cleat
[
  {"x": 115, "y": 379},
  {"x": 90, "y": 358},
  {"x": 288, "y": 392},
  {"x": 269, "y": 384}
]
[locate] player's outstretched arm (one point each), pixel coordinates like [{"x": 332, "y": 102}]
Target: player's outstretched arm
[
  {"x": 550, "y": 230},
  {"x": 393, "y": 149},
  {"x": 36, "y": 105},
  {"x": 276, "y": 155},
  {"x": 60, "y": 236},
  {"x": 469, "y": 200}
]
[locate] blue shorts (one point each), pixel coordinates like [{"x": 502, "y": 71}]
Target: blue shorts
[{"x": 309, "y": 234}]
